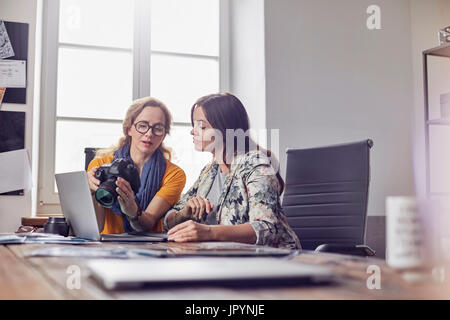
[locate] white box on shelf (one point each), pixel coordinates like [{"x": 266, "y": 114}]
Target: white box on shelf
[{"x": 445, "y": 105}]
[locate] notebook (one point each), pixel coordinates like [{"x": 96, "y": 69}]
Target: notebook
[{"x": 115, "y": 274}]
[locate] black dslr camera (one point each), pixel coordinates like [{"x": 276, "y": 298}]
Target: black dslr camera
[{"x": 106, "y": 193}]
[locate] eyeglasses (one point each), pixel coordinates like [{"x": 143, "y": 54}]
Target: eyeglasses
[{"x": 143, "y": 127}]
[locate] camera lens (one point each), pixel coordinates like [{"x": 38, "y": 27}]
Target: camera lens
[
  {"x": 57, "y": 225},
  {"x": 106, "y": 194}
]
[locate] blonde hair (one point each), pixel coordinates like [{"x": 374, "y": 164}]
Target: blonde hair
[{"x": 133, "y": 111}]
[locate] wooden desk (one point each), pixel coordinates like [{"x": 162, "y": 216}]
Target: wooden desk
[{"x": 24, "y": 277}]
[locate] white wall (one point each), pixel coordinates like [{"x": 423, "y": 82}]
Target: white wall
[
  {"x": 331, "y": 80},
  {"x": 12, "y": 208},
  {"x": 247, "y": 67}
]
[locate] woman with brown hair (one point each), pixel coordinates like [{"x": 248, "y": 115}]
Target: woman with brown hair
[
  {"x": 146, "y": 124},
  {"x": 236, "y": 197}
]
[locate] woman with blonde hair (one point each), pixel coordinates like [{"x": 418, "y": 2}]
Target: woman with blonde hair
[{"x": 146, "y": 124}]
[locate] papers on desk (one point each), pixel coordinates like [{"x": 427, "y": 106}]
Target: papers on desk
[
  {"x": 40, "y": 238},
  {"x": 226, "y": 250},
  {"x": 11, "y": 239},
  {"x": 217, "y": 245},
  {"x": 15, "y": 171},
  {"x": 113, "y": 274},
  {"x": 94, "y": 252}
]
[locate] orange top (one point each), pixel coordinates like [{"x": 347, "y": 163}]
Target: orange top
[{"x": 173, "y": 183}]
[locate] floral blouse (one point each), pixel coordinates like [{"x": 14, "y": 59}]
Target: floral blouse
[{"x": 250, "y": 195}]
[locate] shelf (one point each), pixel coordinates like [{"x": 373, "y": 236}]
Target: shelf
[
  {"x": 442, "y": 122},
  {"x": 441, "y": 51}
]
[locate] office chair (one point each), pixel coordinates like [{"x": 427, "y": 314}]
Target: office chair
[
  {"x": 89, "y": 155},
  {"x": 325, "y": 199}
]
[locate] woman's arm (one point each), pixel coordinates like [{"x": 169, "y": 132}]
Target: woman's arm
[
  {"x": 238, "y": 233},
  {"x": 150, "y": 215},
  {"x": 155, "y": 210},
  {"x": 174, "y": 218},
  {"x": 263, "y": 199},
  {"x": 265, "y": 214},
  {"x": 193, "y": 231}
]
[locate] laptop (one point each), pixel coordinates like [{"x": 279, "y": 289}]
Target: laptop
[
  {"x": 78, "y": 209},
  {"x": 121, "y": 274}
]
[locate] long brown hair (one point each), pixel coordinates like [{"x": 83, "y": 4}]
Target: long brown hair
[
  {"x": 133, "y": 111},
  {"x": 225, "y": 111}
]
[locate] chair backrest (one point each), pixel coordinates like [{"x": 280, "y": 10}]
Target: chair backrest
[
  {"x": 89, "y": 155},
  {"x": 326, "y": 193}
]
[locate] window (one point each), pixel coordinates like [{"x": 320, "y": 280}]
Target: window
[{"x": 101, "y": 55}]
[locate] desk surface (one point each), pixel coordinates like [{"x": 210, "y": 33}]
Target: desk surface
[{"x": 25, "y": 277}]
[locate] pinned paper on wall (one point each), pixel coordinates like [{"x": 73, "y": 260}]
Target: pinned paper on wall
[
  {"x": 13, "y": 73},
  {"x": 6, "y": 49},
  {"x": 15, "y": 172}
]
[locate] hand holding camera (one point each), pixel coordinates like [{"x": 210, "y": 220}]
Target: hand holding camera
[
  {"x": 126, "y": 198},
  {"x": 117, "y": 181},
  {"x": 93, "y": 182}
]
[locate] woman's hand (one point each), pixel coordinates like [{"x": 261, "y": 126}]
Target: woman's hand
[
  {"x": 196, "y": 208},
  {"x": 93, "y": 182},
  {"x": 126, "y": 197},
  {"x": 190, "y": 231}
]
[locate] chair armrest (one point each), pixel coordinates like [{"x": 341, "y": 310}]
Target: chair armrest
[{"x": 355, "y": 250}]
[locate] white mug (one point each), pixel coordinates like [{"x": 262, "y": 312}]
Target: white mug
[{"x": 406, "y": 234}]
